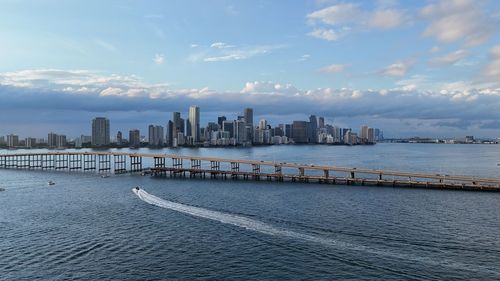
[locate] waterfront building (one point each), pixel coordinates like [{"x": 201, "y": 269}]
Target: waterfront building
[
  {"x": 60, "y": 141},
  {"x": 263, "y": 124},
  {"x": 155, "y": 137},
  {"x": 52, "y": 140},
  {"x": 134, "y": 138},
  {"x": 240, "y": 131},
  {"x": 170, "y": 133},
  {"x": 371, "y": 135},
  {"x": 321, "y": 122},
  {"x": 228, "y": 126},
  {"x": 194, "y": 121},
  {"x": 12, "y": 140},
  {"x": 220, "y": 120},
  {"x": 2, "y": 140},
  {"x": 248, "y": 114},
  {"x": 312, "y": 129},
  {"x": 363, "y": 133},
  {"x": 30, "y": 142},
  {"x": 119, "y": 138},
  {"x": 299, "y": 131},
  {"x": 100, "y": 131}
]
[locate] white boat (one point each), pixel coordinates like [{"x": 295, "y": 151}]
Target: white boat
[
  {"x": 51, "y": 183},
  {"x": 105, "y": 176}
]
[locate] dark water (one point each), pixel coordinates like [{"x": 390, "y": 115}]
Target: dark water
[{"x": 92, "y": 228}]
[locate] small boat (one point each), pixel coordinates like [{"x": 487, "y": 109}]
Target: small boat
[
  {"x": 51, "y": 183},
  {"x": 105, "y": 176}
]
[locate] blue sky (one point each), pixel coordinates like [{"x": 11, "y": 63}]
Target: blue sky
[{"x": 410, "y": 67}]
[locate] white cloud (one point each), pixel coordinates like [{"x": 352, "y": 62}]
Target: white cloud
[
  {"x": 397, "y": 69},
  {"x": 220, "y": 45},
  {"x": 79, "y": 91},
  {"x": 345, "y": 17},
  {"x": 159, "y": 59},
  {"x": 224, "y": 58},
  {"x": 337, "y": 14},
  {"x": 492, "y": 70},
  {"x": 386, "y": 19},
  {"x": 451, "y": 21},
  {"x": 326, "y": 34},
  {"x": 220, "y": 52},
  {"x": 193, "y": 46},
  {"x": 304, "y": 57},
  {"x": 450, "y": 58},
  {"x": 334, "y": 68}
]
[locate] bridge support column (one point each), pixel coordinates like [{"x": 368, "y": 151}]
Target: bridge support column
[
  {"x": 104, "y": 163},
  {"x": 215, "y": 168},
  {"x": 120, "y": 164},
  {"x": 256, "y": 171},
  {"x": 135, "y": 163},
  {"x": 235, "y": 169},
  {"x": 177, "y": 166},
  {"x": 278, "y": 171},
  {"x": 195, "y": 167},
  {"x": 159, "y": 165},
  {"x": 89, "y": 162},
  {"x": 75, "y": 162}
]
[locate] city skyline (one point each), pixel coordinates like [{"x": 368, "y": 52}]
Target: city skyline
[
  {"x": 415, "y": 68},
  {"x": 222, "y": 131}
]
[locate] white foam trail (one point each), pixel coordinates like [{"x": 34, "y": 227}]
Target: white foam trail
[{"x": 255, "y": 225}]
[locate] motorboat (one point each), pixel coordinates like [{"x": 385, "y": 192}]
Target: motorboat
[
  {"x": 51, "y": 183},
  {"x": 105, "y": 176}
]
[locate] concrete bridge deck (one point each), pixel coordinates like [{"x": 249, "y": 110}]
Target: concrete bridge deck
[{"x": 120, "y": 162}]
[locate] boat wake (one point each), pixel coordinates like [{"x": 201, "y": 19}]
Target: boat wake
[{"x": 265, "y": 228}]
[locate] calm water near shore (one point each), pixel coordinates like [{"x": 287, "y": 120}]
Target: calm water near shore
[{"x": 93, "y": 228}]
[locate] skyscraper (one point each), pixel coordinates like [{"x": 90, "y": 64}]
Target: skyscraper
[
  {"x": 299, "y": 131},
  {"x": 220, "y": 120},
  {"x": 52, "y": 140},
  {"x": 313, "y": 129},
  {"x": 119, "y": 138},
  {"x": 12, "y": 140},
  {"x": 155, "y": 137},
  {"x": 100, "y": 131},
  {"x": 248, "y": 114},
  {"x": 321, "y": 122},
  {"x": 134, "y": 138},
  {"x": 194, "y": 122}
]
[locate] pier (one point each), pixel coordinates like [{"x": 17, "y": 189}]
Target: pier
[{"x": 165, "y": 165}]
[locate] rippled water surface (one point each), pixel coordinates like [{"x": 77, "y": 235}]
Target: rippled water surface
[{"x": 93, "y": 228}]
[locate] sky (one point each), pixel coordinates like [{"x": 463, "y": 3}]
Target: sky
[{"x": 412, "y": 68}]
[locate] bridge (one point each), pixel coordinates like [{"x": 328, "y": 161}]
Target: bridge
[{"x": 202, "y": 167}]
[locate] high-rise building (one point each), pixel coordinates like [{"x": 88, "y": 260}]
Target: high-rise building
[
  {"x": 312, "y": 130},
  {"x": 263, "y": 124},
  {"x": 61, "y": 141},
  {"x": 119, "y": 138},
  {"x": 100, "y": 132},
  {"x": 240, "y": 132},
  {"x": 371, "y": 135},
  {"x": 228, "y": 126},
  {"x": 30, "y": 142},
  {"x": 363, "y": 133},
  {"x": 194, "y": 121},
  {"x": 12, "y": 140},
  {"x": 321, "y": 122},
  {"x": 170, "y": 133},
  {"x": 52, "y": 140},
  {"x": 248, "y": 114},
  {"x": 178, "y": 124},
  {"x": 155, "y": 137},
  {"x": 299, "y": 131},
  {"x": 221, "y": 120},
  {"x": 134, "y": 138}
]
